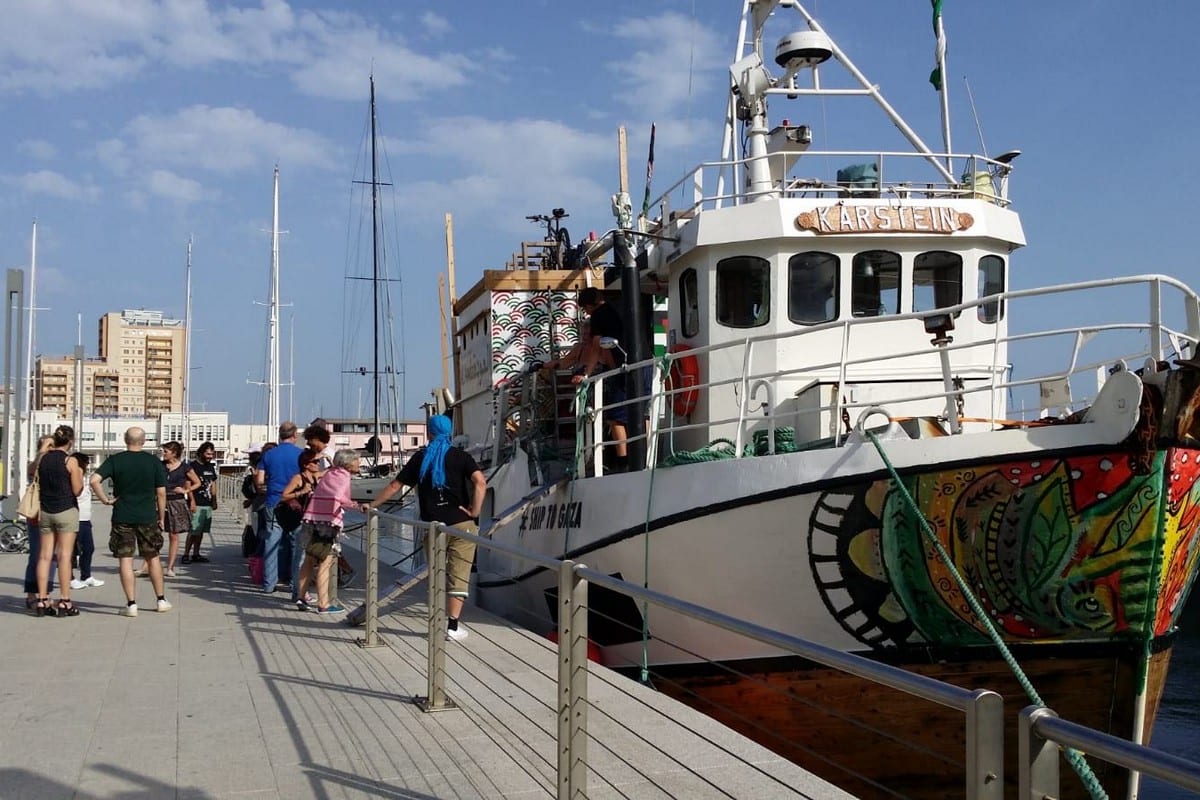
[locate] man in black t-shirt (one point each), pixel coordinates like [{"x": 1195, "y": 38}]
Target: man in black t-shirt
[
  {"x": 450, "y": 489},
  {"x": 606, "y": 323}
]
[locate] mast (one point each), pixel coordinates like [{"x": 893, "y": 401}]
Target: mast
[
  {"x": 273, "y": 319},
  {"x": 187, "y": 349},
  {"x": 375, "y": 273},
  {"x": 31, "y": 437}
]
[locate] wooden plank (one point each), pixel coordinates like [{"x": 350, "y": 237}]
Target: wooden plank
[{"x": 525, "y": 280}]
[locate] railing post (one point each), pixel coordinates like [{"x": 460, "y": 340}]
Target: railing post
[
  {"x": 1156, "y": 344},
  {"x": 598, "y": 427},
  {"x": 435, "y": 549},
  {"x": 985, "y": 747},
  {"x": 371, "y": 637},
  {"x": 1038, "y": 760},
  {"x": 572, "y": 683}
]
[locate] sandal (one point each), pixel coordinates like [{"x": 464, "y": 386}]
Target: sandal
[
  {"x": 66, "y": 608},
  {"x": 43, "y": 608}
]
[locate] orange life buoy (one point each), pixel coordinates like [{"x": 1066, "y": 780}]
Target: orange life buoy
[{"x": 683, "y": 380}]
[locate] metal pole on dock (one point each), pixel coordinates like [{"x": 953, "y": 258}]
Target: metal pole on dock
[
  {"x": 572, "y": 683},
  {"x": 371, "y": 637},
  {"x": 435, "y": 551},
  {"x": 14, "y": 305}
]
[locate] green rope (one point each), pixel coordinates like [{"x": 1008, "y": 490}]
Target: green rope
[{"x": 1074, "y": 757}]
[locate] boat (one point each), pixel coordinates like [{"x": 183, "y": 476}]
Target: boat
[
  {"x": 857, "y": 432},
  {"x": 384, "y": 366}
]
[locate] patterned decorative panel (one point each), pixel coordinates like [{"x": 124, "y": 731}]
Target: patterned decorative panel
[{"x": 526, "y": 324}]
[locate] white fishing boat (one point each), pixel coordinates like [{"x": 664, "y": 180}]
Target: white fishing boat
[{"x": 863, "y": 436}]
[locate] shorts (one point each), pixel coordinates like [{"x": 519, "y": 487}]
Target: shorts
[
  {"x": 147, "y": 538},
  {"x": 319, "y": 540},
  {"x": 59, "y": 521},
  {"x": 202, "y": 520},
  {"x": 179, "y": 516},
  {"x": 460, "y": 555},
  {"x": 614, "y": 392}
]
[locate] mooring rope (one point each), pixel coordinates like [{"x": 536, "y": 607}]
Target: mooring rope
[{"x": 1074, "y": 757}]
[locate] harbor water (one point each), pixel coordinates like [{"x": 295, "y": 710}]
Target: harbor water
[{"x": 1177, "y": 729}]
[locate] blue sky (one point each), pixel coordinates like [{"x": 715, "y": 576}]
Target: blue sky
[{"x": 131, "y": 124}]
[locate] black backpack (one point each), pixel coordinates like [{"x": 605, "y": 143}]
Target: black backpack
[
  {"x": 248, "y": 487},
  {"x": 249, "y": 541}
]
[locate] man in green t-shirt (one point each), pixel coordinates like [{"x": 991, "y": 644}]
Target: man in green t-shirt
[{"x": 139, "y": 501}]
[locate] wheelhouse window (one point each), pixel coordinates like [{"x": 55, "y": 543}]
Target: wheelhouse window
[
  {"x": 875, "y": 284},
  {"x": 689, "y": 305},
  {"x": 812, "y": 288},
  {"x": 743, "y": 292},
  {"x": 937, "y": 280},
  {"x": 991, "y": 281}
]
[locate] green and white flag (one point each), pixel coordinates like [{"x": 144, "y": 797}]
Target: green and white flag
[{"x": 939, "y": 53}]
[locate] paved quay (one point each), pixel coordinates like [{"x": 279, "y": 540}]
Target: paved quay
[{"x": 234, "y": 694}]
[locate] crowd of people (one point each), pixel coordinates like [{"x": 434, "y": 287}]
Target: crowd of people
[{"x": 296, "y": 498}]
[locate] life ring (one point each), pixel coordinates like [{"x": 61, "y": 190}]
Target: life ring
[{"x": 683, "y": 380}]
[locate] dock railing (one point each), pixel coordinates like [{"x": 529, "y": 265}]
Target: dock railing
[{"x": 983, "y": 709}]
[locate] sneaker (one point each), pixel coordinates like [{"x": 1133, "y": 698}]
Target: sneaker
[
  {"x": 456, "y": 634},
  {"x": 200, "y": 560},
  {"x": 95, "y": 583},
  {"x": 78, "y": 584},
  {"x": 302, "y": 605},
  {"x": 170, "y": 573},
  {"x": 332, "y": 609},
  {"x": 163, "y": 606},
  {"x": 310, "y": 598},
  {"x": 129, "y": 611},
  {"x": 141, "y": 573},
  {"x": 185, "y": 560},
  {"x": 345, "y": 578}
]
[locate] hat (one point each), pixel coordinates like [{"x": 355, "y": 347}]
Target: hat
[
  {"x": 320, "y": 423},
  {"x": 254, "y": 447}
]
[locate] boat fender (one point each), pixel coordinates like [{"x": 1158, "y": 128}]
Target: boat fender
[
  {"x": 684, "y": 380},
  {"x": 593, "y": 649}
]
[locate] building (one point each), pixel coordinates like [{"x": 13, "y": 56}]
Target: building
[{"x": 139, "y": 372}]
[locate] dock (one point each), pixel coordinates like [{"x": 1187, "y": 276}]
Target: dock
[{"x": 236, "y": 694}]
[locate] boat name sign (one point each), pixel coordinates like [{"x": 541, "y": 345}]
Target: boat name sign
[
  {"x": 553, "y": 516},
  {"x": 845, "y": 218}
]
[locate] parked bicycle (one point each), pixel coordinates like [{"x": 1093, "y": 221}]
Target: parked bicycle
[
  {"x": 558, "y": 238},
  {"x": 14, "y": 534}
]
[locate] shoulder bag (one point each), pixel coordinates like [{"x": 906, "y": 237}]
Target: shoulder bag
[{"x": 31, "y": 501}]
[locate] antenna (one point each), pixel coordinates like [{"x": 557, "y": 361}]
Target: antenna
[{"x": 975, "y": 114}]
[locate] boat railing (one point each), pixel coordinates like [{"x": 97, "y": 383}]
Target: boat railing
[
  {"x": 897, "y": 175},
  {"x": 1042, "y": 735},
  {"x": 1068, "y": 359}
]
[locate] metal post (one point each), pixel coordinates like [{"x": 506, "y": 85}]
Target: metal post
[
  {"x": 985, "y": 747},
  {"x": 435, "y": 550},
  {"x": 371, "y": 638},
  {"x": 572, "y": 683},
  {"x": 1156, "y": 330},
  {"x": 10, "y": 476},
  {"x": 635, "y": 349},
  {"x": 1038, "y": 757}
]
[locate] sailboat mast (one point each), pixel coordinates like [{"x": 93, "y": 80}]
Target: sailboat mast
[
  {"x": 31, "y": 438},
  {"x": 187, "y": 348},
  {"x": 375, "y": 271},
  {"x": 273, "y": 320}
]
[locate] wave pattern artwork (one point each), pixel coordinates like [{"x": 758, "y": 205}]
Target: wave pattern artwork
[
  {"x": 1055, "y": 549},
  {"x": 530, "y": 326}
]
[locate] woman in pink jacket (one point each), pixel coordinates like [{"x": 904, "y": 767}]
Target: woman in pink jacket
[{"x": 322, "y": 526}]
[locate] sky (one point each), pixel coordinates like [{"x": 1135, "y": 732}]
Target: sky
[{"x": 131, "y": 125}]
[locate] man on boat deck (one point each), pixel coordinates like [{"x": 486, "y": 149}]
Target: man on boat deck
[
  {"x": 450, "y": 489},
  {"x": 606, "y": 323}
]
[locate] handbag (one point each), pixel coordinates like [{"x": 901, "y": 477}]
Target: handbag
[{"x": 31, "y": 501}]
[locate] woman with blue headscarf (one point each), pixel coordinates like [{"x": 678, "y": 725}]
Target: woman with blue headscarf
[{"x": 450, "y": 489}]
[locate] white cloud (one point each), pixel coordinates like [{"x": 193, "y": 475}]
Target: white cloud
[
  {"x": 54, "y": 184},
  {"x": 435, "y": 24},
  {"x": 217, "y": 139},
  {"x": 673, "y": 54},
  {"x": 166, "y": 184},
  {"x": 69, "y": 45},
  {"x": 37, "y": 148}
]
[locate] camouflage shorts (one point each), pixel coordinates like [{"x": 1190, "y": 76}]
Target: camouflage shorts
[{"x": 125, "y": 538}]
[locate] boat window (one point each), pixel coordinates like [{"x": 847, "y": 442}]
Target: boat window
[
  {"x": 937, "y": 280},
  {"x": 743, "y": 291},
  {"x": 991, "y": 281},
  {"x": 689, "y": 303},
  {"x": 875, "y": 284},
  {"x": 812, "y": 288}
]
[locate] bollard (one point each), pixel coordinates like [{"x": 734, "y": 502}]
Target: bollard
[
  {"x": 572, "y": 683},
  {"x": 1038, "y": 757},
  {"x": 371, "y": 639},
  {"x": 985, "y": 746}
]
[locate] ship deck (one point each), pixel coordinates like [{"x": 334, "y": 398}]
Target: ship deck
[{"x": 235, "y": 694}]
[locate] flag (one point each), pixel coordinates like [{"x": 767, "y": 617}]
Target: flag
[
  {"x": 939, "y": 53},
  {"x": 649, "y": 174}
]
